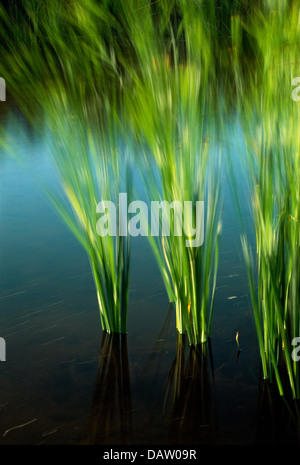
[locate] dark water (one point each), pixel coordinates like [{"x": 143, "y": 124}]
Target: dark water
[{"x": 65, "y": 382}]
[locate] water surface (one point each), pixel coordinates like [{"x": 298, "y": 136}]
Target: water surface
[{"x": 65, "y": 382}]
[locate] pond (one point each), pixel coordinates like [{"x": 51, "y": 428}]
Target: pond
[{"x": 66, "y": 382}]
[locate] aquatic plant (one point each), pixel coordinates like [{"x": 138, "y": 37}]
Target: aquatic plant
[
  {"x": 166, "y": 104},
  {"x": 273, "y": 163},
  {"x": 92, "y": 166}
]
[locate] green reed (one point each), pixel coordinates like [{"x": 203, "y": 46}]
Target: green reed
[
  {"x": 91, "y": 165},
  {"x": 166, "y": 103},
  {"x": 273, "y": 163},
  {"x": 275, "y": 203},
  {"x": 54, "y": 46}
]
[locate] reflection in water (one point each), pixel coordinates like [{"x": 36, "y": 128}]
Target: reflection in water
[
  {"x": 176, "y": 394},
  {"x": 110, "y": 416},
  {"x": 189, "y": 395},
  {"x": 181, "y": 402},
  {"x": 278, "y": 419}
]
